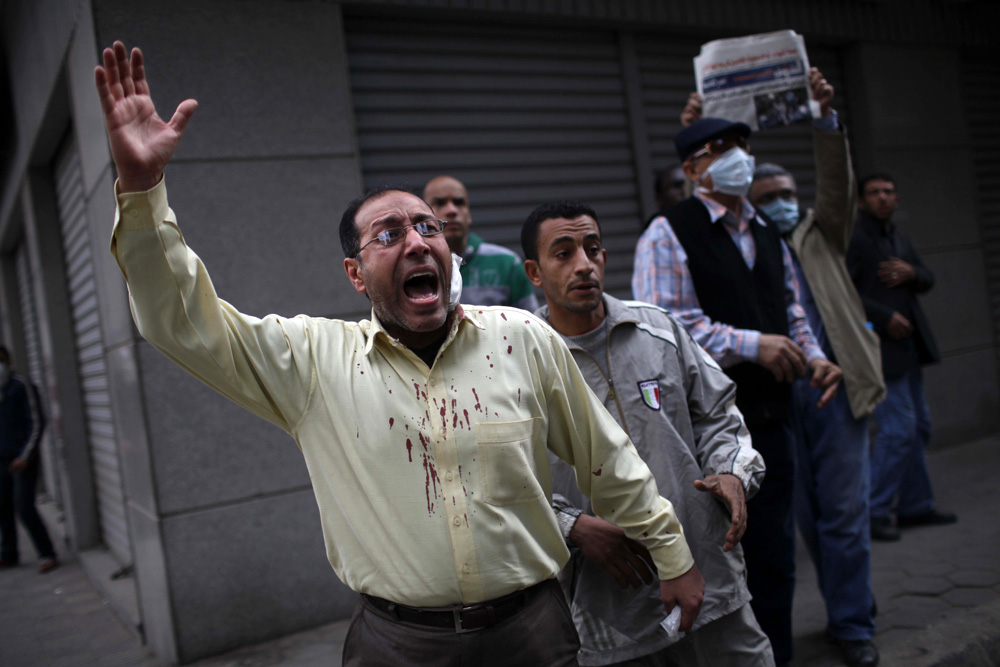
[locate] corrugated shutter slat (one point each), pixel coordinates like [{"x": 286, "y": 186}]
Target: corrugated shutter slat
[{"x": 82, "y": 289}]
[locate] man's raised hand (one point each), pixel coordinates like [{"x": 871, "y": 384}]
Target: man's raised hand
[
  {"x": 822, "y": 91},
  {"x": 141, "y": 143}
]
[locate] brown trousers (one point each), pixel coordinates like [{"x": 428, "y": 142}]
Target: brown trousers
[{"x": 540, "y": 635}]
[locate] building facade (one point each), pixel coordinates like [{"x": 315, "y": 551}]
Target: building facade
[{"x": 198, "y": 519}]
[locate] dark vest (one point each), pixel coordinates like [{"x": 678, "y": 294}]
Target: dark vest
[{"x": 728, "y": 291}]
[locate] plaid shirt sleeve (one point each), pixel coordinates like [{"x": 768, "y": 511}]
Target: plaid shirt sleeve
[
  {"x": 798, "y": 325},
  {"x": 660, "y": 276}
]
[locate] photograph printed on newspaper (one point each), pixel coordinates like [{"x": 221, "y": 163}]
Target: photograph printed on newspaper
[{"x": 761, "y": 80}]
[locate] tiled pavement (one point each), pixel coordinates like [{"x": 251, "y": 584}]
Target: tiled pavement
[
  {"x": 938, "y": 593},
  {"x": 59, "y": 620},
  {"x": 932, "y": 577}
]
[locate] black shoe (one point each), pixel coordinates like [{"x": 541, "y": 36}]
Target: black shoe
[
  {"x": 859, "y": 652},
  {"x": 883, "y": 529},
  {"x": 932, "y": 518}
]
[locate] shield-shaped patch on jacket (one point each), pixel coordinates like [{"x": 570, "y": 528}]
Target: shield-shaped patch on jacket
[{"x": 650, "y": 390}]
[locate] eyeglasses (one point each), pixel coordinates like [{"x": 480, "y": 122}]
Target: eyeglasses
[
  {"x": 785, "y": 193},
  {"x": 721, "y": 145},
  {"x": 394, "y": 235}
]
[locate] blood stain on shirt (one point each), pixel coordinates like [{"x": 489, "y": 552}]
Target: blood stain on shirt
[
  {"x": 597, "y": 473},
  {"x": 409, "y": 450},
  {"x": 478, "y": 405},
  {"x": 510, "y": 349},
  {"x": 503, "y": 316},
  {"x": 391, "y": 420}
]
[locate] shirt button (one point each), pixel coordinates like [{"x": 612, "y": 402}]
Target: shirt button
[
  {"x": 466, "y": 569},
  {"x": 449, "y": 476},
  {"x": 457, "y": 521},
  {"x": 432, "y": 381}
]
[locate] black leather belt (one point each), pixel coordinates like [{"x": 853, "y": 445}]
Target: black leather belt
[{"x": 461, "y": 618}]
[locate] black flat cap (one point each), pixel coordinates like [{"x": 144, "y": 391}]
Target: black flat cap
[{"x": 700, "y": 132}]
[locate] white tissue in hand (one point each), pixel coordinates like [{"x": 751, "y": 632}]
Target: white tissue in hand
[{"x": 672, "y": 622}]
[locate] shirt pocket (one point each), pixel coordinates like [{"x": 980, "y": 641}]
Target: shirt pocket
[{"x": 507, "y": 465}]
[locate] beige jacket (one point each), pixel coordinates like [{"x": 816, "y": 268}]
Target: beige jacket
[{"x": 821, "y": 241}]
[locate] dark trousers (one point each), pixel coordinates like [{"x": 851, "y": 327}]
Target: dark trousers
[
  {"x": 17, "y": 494},
  {"x": 831, "y": 504},
  {"x": 540, "y": 635},
  {"x": 769, "y": 542}
]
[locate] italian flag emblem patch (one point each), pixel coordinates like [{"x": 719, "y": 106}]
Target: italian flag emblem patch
[{"x": 650, "y": 390}]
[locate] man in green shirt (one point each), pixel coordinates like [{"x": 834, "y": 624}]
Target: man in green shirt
[{"x": 491, "y": 274}]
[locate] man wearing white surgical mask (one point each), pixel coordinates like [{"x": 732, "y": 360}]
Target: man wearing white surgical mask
[
  {"x": 722, "y": 268},
  {"x": 832, "y": 450}
]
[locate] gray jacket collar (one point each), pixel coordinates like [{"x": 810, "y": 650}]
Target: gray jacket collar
[{"x": 615, "y": 312}]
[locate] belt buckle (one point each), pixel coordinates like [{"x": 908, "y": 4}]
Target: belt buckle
[{"x": 457, "y": 615}]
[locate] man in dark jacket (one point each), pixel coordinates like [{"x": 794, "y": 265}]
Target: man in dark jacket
[
  {"x": 21, "y": 425},
  {"x": 889, "y": 275}
]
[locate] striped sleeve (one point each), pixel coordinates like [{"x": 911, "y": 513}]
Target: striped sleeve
[{"x": 35, "y": 416}]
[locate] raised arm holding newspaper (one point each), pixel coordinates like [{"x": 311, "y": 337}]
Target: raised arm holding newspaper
[{"x": 429, "y": 465}]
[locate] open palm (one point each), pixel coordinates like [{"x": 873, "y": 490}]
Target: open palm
[{"x": 141, "y": 143}]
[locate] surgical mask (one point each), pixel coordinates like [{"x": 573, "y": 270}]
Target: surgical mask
[
  {"x": 732, "y": 172},
  {"x": 456, "y": 281},
  {"x": 783, "y": 212}
]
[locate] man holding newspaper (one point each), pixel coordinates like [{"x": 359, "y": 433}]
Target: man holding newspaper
[{"x": 733, "y": 285}]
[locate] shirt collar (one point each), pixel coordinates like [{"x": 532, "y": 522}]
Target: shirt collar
[
  {"x": 876, "y": 226},
  {"x": 377, "y": 330},
  {"x": 615, "y": 313},
  {"x": 472, "y": 244},
  {"x": 716, "y": 210}
]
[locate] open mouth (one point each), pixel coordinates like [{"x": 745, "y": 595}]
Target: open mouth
[{"x": 421, "y": 287}]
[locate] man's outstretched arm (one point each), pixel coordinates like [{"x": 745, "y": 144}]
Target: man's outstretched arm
[
  {"x": 263, "y": 365},
  {"x": 141, "y": 143}
]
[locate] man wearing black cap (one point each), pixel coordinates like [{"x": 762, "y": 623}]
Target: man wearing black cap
[{"x": 733, "y": 287}]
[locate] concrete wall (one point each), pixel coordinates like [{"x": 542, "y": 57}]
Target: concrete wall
[{"x": 918, "y": 134}]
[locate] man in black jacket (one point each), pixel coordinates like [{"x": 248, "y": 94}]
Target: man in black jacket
[{"x": 889, "y": 275}]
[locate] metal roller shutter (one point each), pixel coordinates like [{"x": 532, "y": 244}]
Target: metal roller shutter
[
  {"x": 102, "y": 442},
  {"x": 982, "y": 104},
  {"x": 33, "y": 365},
  {"x": 667, "y": 78},
  {"x": 524, "y": 115},
  {"x": 521, "y": 115}
]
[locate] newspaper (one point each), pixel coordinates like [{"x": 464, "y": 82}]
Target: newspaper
[{"x": 761, "y": 80}]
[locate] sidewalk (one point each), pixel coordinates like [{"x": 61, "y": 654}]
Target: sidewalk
[{"x": 938, "y": 593}]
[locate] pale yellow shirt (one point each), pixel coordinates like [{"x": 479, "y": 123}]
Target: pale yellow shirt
[{"x": 432, "y": 483}]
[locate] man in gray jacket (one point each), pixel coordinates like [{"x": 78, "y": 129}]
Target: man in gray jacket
[{"x": 679, "y": 408}]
